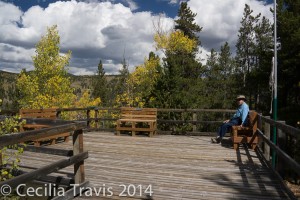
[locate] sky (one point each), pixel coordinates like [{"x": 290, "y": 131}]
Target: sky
[{"x": 111, "y": 30}]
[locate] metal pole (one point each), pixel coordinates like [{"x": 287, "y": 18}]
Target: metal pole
[{"x": 275, "y": 84}]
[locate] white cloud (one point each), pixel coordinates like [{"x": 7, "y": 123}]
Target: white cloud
[
  {"x": 132, "y": 5},
  {"x": 102, "y": 29},
  {"x": 91, "y": 30},
  {"x": 221, "y": 19}
]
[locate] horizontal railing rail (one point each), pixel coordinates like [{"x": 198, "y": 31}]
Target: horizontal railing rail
[
  {"x": 75, "y": 157},
  {"x": 276, "y": 153}
]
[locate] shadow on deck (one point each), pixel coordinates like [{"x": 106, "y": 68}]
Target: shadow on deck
[{"x": 172, "y": 167}]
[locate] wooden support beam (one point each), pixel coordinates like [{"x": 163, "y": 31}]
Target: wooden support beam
[
  {"x": 43, "y": 171},
  {"x": 79, "y": 174},
  {"x": 47, "y": 150},
  {"x": 267, "y": 131}
]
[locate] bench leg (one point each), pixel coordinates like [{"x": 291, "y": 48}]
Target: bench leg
[
  {"x": 151, "y": 134},
  {"x": 235, "y": 146},
  {"x": 37, "y": 143},
  {"x": 132, "y": 133},
  {"x": 66, "y": 139},
  {"x": 53, "y": 142},
  {"x": 133, "y": 127},
  {"x": 118, "y": 132},
  {"x": 253, "y": 146}
]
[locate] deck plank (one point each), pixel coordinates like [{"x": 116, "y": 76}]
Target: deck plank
[{"x": 176, "y": 167}]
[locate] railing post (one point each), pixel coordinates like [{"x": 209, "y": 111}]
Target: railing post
[
  {"x": 281, "y": 143},
  {"x": 267, "y": 130},
  {"x": 58, "y": 114},
  {"x": 96, "y": 118},
  {"x": 259, "y": 125},
  {"x": 79, "y": 174},
  {"x": 194, "y": 119},
  {"x": 88, "y": 117}
]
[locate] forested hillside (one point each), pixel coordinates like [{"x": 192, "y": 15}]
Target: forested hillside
[{"x": 8, "y": 86}]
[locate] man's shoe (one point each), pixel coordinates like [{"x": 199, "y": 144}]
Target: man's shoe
[{"x": 216, "y": 140}]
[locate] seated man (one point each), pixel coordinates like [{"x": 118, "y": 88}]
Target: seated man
[{"x": 239, "y": 118}]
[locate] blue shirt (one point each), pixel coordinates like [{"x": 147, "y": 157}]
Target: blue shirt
[{"x": 242, "y": 112}]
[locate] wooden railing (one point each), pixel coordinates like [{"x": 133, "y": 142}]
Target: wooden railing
[
  {"x": 197, "y": 120},
  {"x": 75, "y": 157},
  {"x": 169, "y": 120},
  {"x": 174, "y": 119},
  {"x": 276, "y": 152}
]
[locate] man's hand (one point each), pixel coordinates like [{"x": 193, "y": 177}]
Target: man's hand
[
  {"x": 241, "y": 126},
  {"x": 226, "y": 121}
]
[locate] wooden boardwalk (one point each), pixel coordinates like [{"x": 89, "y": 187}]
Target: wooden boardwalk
[{"x": 175, "y": 167}]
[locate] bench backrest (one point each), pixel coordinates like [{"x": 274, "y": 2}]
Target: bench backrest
[
  {"x": 138, "y": 113},
  {"x": 253, "y": 119},
  {"x": 49, "y": 113}
]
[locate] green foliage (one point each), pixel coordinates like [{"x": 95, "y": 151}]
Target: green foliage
[
  {"x": 100, "y": 84},
  {"x": 219, "y": 78},
  {"x": 48, "y": 85},
  {"x": 9, "y": 155},
  {"x": 119, "y": 86},
  {"x": 180, "y": 82},
  {"x": 2, "y": 90},
  {"x": 254, "y": 59},
  {"x": 186, "y": 24},
  {"x": 288, "y": 23},
  {"x": 141, "y": 84}
]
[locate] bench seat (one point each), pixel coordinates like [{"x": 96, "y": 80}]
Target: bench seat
[
  {"x": 137, "y": 120},
  {"x": 49, "y": 113},
  {"x": 246, "y": 134}
]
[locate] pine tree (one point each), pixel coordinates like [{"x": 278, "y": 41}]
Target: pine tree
[
  {"x": 2, "y": 90},
  {"x": 245, "y": 44},
  {"x": 100, "y": 84},
  {"x": 186, "y": 23},
  {"x": 181, "y": 69},
  {"x": 288, "y": 26},
  {"x": 219, "y": 81}
]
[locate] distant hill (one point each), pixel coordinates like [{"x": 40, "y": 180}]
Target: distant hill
[{"x": 80, "y": 83}]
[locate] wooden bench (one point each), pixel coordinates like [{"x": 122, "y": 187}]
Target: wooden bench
[
  {"x": 246, "y": 134},
  {"x": 137, "y": 120},
  {"x": 49, "y": 113}
]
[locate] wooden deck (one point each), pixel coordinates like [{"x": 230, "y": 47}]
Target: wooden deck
[{"x": 176, "y": 167}]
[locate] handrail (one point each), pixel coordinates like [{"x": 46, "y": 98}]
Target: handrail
[
  {"x": 286, "y": 128},
  {"x": 75, "y": 158},
  {"x": 15, "y": 138},
  {"x": 294, "y": 165}
]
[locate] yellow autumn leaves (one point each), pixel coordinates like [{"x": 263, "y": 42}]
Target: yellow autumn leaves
[
  {"x": 175, "y": 42},
  {"x": 48, "y": 85}
]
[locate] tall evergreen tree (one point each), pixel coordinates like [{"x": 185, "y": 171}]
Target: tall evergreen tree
[
  {"x": 259, "y": 76},
  {"x": 288, "y": 26},
  {"x": 100, "y": 84},
  {"x": 118, "y": 85},
  {"x": 186, "y": 23},
  {"x": 219, "y": 81},
  {"x": 182, "y": 71},
  {"x": 245, "y": 44},
  {"x": 254, "y": 56},
  {"x": 2, "y": 90}
]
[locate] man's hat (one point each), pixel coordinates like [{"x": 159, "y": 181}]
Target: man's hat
[{"x": 241, "y": 97}]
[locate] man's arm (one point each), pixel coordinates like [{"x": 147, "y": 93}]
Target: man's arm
[{"x": 245, "y": 111}]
